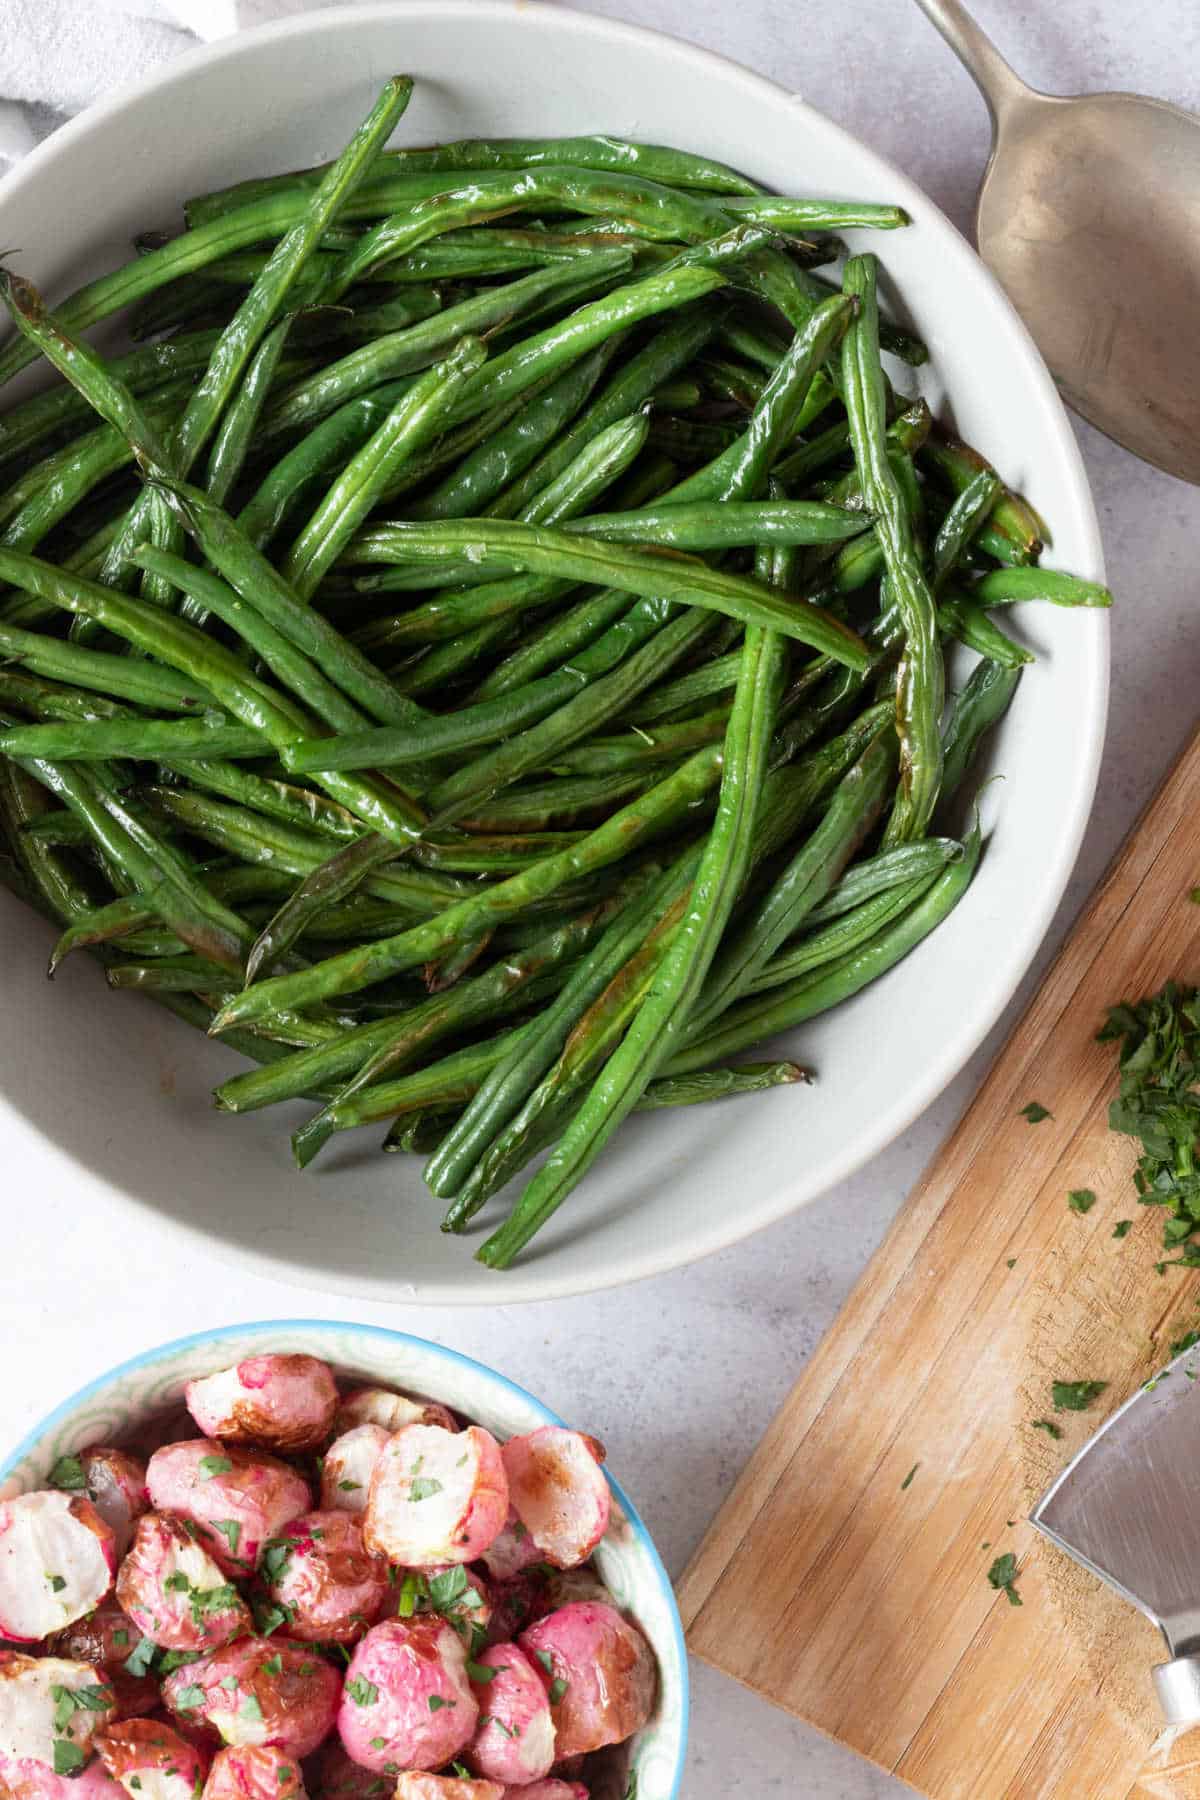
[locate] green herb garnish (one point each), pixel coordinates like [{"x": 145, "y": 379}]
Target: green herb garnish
[
  {"x": 231, "y": 1531},
  {"x": 214, "y": 1465},
  {"x": 1075, "y": 1396},
  {"x": 423, "y": 1487},
  {"x": 68, "y": 1757},
  {"x": 908, "y": 1479},
  {"x": 362, "y": 1691},
  {"x": 68, "y": 1473},
  {"x": 189, "y": 1698},
  {"x": 1048, "y": 1426},
  {"x": 250, "y": 1708},
  {"x": 1122, "y": 1228},
  {"x": 1035, "y": 1112},
  {"x": 1003, "y": 1576},
  {"x": 558, "y": 1688},
  {"x": 1081, "y": 1200},
  {"x": 436, "y": 1703}
]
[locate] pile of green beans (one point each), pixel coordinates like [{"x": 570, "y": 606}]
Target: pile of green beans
[{"x": 483, "y": 652}]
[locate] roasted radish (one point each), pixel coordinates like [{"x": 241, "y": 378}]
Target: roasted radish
[
  {"x": 57, "y": 1561},
  {"x": 278, "y": 1402},
  {"x": 407, "y": 1702},
  {"x": 239, "y": 1498},
  {"x": 322, "y": 1577},
  {"x": 558, "y": 1492},
  {"x": 436, "y": 1496},
  {"x": 599, "y": 1671},
  {"x": 514, "y": 1739},
  {"x": 174, "y": 1591}
]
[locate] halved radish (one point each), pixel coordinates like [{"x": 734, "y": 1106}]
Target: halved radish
[
  {"x": 57, "y": 1560},
  {"x": 413, "y": 1784},
  {"x": 107, "y": 1637},
  {"x": 407, "y": 1702},
  {"x": 280, "y": 1402},
  {"x": 329, "y": 1586},
  {"x": 239, "y": 1498},
  {"x": 50, "y": 1711},
  {"x": 513, "y": 1551},
  {"x": 151, "y": 1761},
  {"x": 113, "y": 1481},
  {"x": 514, "y": 1739},
  {"x": 259, "y": 1691},
  {"x": 599, "y": 1671},
  {"x": 174, "y": 1591},
  {"x": 436, "y": 1496},
  {"x": 553, "y": 1789},
  {"x": 254, "y": 1772},
  {"x": 558, "y": 1492},
  {"x": 379, "y": 1406},
  {"x": 348, "y": 1467}
]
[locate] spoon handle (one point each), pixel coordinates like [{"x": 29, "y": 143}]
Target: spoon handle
[{"x": 998, "y": 84}]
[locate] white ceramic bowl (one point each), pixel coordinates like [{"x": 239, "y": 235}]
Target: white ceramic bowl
[
  {"x": 120, "y": 1404},
  {"x": 108, "y": 1094}
]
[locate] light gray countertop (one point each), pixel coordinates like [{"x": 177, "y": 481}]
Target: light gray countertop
[{"x": 681, "y": 1375}]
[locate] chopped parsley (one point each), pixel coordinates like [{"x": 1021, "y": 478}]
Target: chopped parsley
[
  {"x": 362, "y": 1691},
  {"x": 214, "y": 1465},
  {"x": 1081, "y": 1200},
  {"x": 270, "y": 1615},
  {"x": 1122, "y": 1228},
  {"x": 135, "y": 1781},
  {"x": 284, "y": 1772},
  {"x": 68, "y": 1757},
  {"x": 189, "y": 1698},
  {"x": 558, "y": 1688},
  {"x": 908, "y": 1479},
  {"x": 510, "y": 1731},
  {"x": 57, "y": 1584},
  {"x": 176, "y": 1659},
  {"x": 1188, "y": 1341},
  {"x": 230, "y": 1683},
  {"x": 250, "y": 1709},
  {"x": 546, "y": 1660},
  {"x": 1075, "y": 1396},
  {"x": 436, "y": 1703},
  {"x": 1035, "y": 1112},
  {"x": 379, "y": 1743},
  {"x": 1003, "y": 1577},
  {"x": 139, "y": 1662},
  {"x": 273, "y": 1665},
  {"x": 231, "y": 1531},
  {"x": 1011, "y": 1263},
  {"x": 1159, "y": 1040},
  {"x": 449, "y": 1586},
  {"x": 68, "y": 1473},
  {"x": 1048, "y": 1426},
  {"x": 120, "y": 1639},
  {"x": 348, "y": 1487},
  {"x": 275, "y": 1558},
  {"x": 483, "y": 1671},
  {"x": 423, "y": 1487}
]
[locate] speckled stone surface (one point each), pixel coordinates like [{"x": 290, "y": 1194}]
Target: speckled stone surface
[{"x": 681, "y": 1375}]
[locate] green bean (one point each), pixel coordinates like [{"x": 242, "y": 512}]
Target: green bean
[
  {"x": 806, "y": 880},
  {"x": 840, "y": 938},
  {"x": 920, "y": 688},
  {"x": 962, "y": 523},
  {"x": 54, "y": 885},
  {"x": 359, "y": 486},
  {"x": 447, "y": 662},
  {"x": 507, "y": 543},
  {"x": 180, "y": 974},
  {"x": 1001, "y": 587},
  {"x": 900, "y": 343},
  {"x": 616, "y": 838},
  {"x": 1014, "y": 533},
  {"x": 496, "y": 462},
  {"x": 142, "y": 738},
  {"x": 58, "y": 409},
  {"x": 194, "y": 654},
  {"x": 130, "y": 678},
  {"x": 641, "y": 749},
  {"x": 147, "y": 864},
  {"x": 276, "y": 799},
  {"x": 260, "y": 585},
  {"x": 499, "y": 990},
  {"x": 339, "y": 875},
  {"x": 702, "y": 525},
  {"x": 231, "y": 445},
  {"x": 885, "y": 870},
  {"x": 984, "y": 699},
  {"x": 49, "y": 700},
  {"x": 672, "y": 167},
  {"x": 688, "y": 690},
  {"x": 559, "y": 639},
  {"x": 671, "y": 349},
  {"x": 814, "y": 215},
  {"x": 663, "y": 1015},
  {"x": 304, "y": 470},
  {"x": 787, "y": 1007},
  {"x": 558, "y": 803},
  {"x": 306, "y": 1073},
  {"x": 720, "y": 1084},
  {"x": 491, "y": 720},
  {"x": 960, "y": 615},
  {"x": 406, "y": 352}
]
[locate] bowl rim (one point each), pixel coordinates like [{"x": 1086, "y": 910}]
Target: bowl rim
[
  {"x": 265, "y": 1328},
  {"x": 572, "y": 1276}
]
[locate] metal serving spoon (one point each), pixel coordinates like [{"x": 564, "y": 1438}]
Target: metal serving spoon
[{"x": 1089, "y": 214}]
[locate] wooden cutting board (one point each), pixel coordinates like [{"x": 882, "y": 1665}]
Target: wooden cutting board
[{"x": 861, "y": 1603}]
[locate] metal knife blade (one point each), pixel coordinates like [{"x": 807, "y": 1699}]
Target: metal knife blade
[{"x": 1128, "y": 1506}]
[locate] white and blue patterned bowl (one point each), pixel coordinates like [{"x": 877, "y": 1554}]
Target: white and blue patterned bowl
[{"x": 120, "y": 1403}]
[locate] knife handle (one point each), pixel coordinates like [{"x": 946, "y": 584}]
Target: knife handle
[{"x": 1172, "y": 1769}]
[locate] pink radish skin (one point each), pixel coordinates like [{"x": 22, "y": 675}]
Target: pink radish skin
[
  {"x": 607, "y": 1667},
  {"x": 407, "y": 1701},
  {"x": 331, "y": 1583},
  {"x": 414, "y": 1785},
  {"x": 348, "y": 1467},
  {"x": 548, "y": 1790},
  {"x": 151, "y": 1761},
  {"x": 278, "y": 1402},
  {"x": 116, "y": 1487},
  {"x": 254, "y": 1772},
  {"x": 558, "y": 1492},
  {"x": 163, "y": 1584},
  {"x": 284, "y": 1695},
  {"x": 250, "y": 1501},
  {"x": 24, "y": 1779},
  {"x": 378, "y": 1406},
  {"x": 514, "y": 1740},
  {"x": 57, "y": 1561},
  {"x": 31, "y": 1690},
  {"x": 436, "y": 1496}
]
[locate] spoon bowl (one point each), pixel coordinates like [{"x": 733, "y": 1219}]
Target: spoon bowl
[{"x": 1089, "y": 215}]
